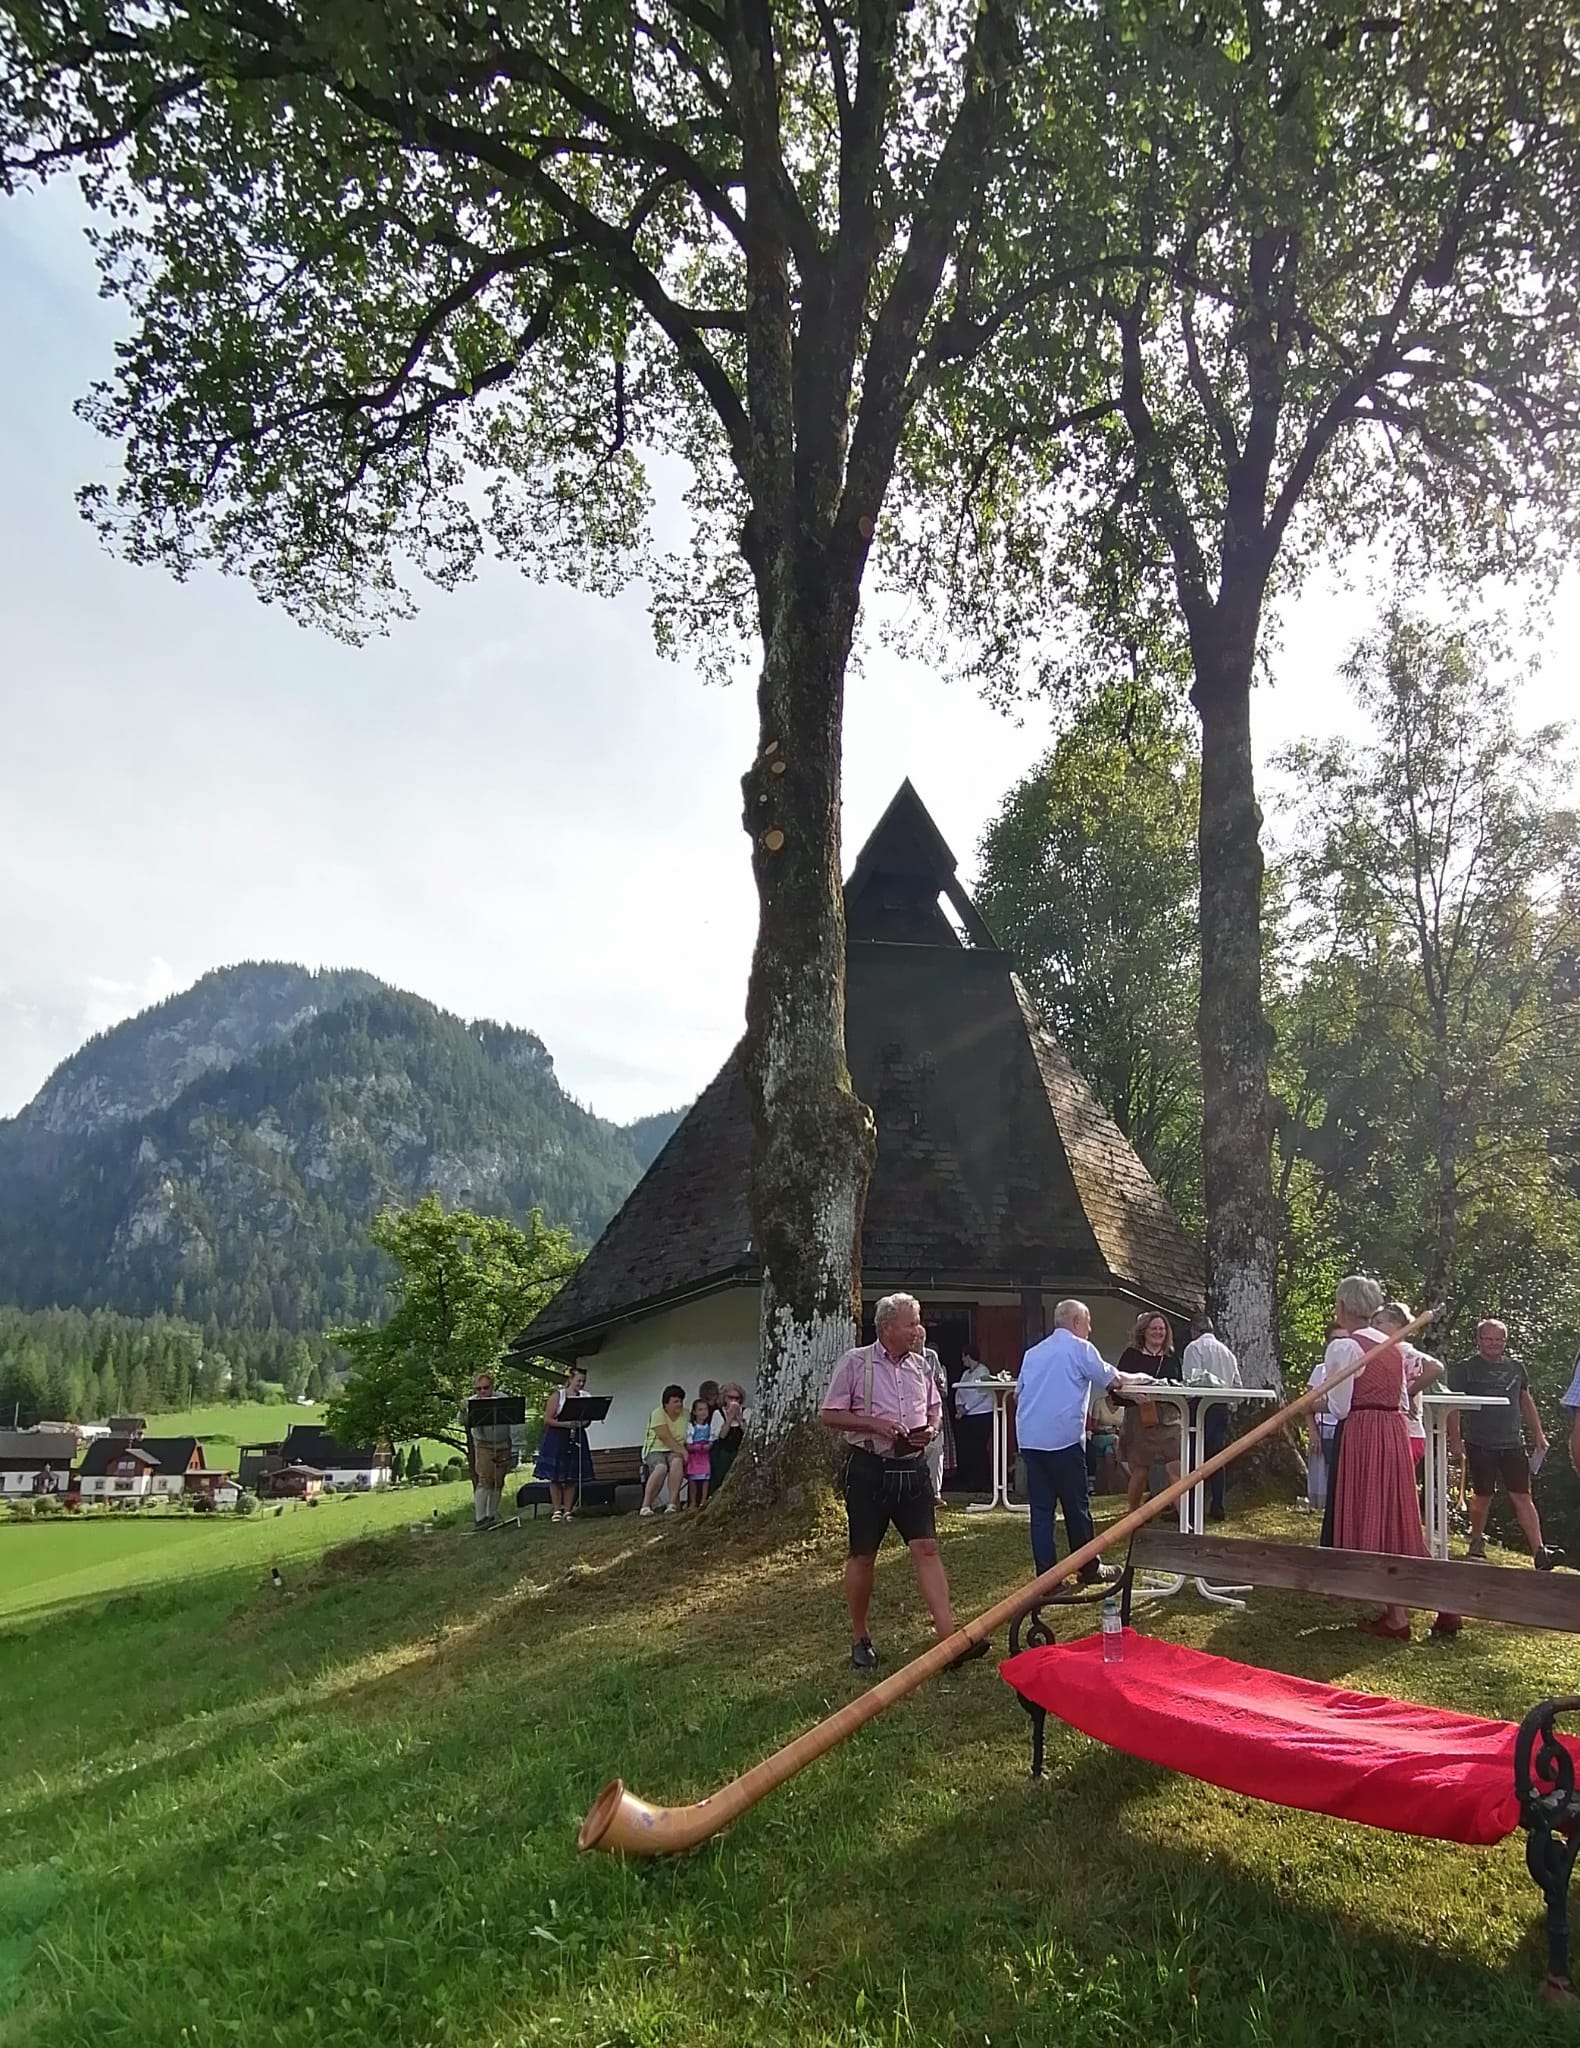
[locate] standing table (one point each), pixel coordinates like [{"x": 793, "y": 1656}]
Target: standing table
[
  {"x": 1001, "y": 1386},
  {"x": 1436, "y": 1408},
  {"x": 1193, "y": 1454}
]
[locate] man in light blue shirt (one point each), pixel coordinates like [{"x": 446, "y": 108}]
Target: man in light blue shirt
[{"x": 1056, "y": 1381}]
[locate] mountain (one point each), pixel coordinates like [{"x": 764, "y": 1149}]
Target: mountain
[
  {"x": 144, "y": 1063},
  {"x": 650, "y": 1134},
  {"x": 220, "y": 1155}
]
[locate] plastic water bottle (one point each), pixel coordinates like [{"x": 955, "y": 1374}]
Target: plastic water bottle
[{"x": 1113, "y": 1634}]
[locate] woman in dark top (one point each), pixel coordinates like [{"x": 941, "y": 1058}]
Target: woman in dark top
[{"x": 1151, "y": 1433}]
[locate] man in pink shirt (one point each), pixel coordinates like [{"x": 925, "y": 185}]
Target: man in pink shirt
[{"x": 882, "y": 1399}]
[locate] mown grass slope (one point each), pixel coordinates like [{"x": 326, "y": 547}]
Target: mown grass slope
[{"x": 348, "y": 1813}]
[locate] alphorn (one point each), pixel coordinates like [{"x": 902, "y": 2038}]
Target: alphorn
[{"x": 618, "y": 1820}]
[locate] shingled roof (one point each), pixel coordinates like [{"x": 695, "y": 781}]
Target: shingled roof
[
  {"x": 25, "y": 1450},
  {"x": 996, "y": 1167},
  {"x": 162, "y": 1453}
]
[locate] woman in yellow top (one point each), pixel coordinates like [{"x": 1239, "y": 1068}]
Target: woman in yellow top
[{"x": 664, "y": 1451}]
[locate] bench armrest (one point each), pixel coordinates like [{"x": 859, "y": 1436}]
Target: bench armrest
[{"x": 1544, "y": 1767}]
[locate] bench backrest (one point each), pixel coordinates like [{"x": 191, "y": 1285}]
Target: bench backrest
[
  {"x": 621, "y": 1466},
  {"x": 1526, "y": 1598}
]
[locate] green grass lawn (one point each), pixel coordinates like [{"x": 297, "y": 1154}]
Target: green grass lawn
[
  {"x": 70, "y": 1558},
  {"x": 347, "y": 1814}
]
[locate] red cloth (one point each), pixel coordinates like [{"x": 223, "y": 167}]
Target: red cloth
[{"x": 1416, "y": 1770}]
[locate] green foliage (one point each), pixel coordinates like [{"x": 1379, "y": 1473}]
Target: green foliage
[
  {"x": 71, "y": 1365},
  {"x": 1088, "y": 875},
  {"x": 1429, "y": 1065},
  {"x": 495, "y": 244},
  {"x": 1332, "y": 303},
  {"x": 465, "y": 1285}
]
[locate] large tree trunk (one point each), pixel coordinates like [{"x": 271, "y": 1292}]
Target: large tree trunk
[
  {"x": 814, "y": 1139},
  {"x": 1237, "y": 1172}
]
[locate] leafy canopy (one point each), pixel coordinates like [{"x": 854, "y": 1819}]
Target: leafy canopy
[
  {"x": 1344, "y": 305},
  {"x": 465, "y": 1285},
  {"x": 1088, "y": 875},
  {"x": 413, "y": 280},
  {"x": 1429, "y": 1069}
]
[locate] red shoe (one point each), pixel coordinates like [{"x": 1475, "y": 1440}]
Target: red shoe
[
  {"x": 1448, "y": 1624},
  {"x": 1389, "y": 1635}
]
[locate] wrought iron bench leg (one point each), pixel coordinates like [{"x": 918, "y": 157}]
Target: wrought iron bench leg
[
  {"x": 1544, "y": 1782},
  {"x": 1039, "y": 1728},
  {"x": 1550, "y": 1858}
]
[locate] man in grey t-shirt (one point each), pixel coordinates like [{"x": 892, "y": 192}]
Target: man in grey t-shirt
[{"x": 1494, "y": 1439}]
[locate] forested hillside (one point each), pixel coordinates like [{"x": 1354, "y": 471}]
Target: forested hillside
[{"x": 231, "y": 1186}]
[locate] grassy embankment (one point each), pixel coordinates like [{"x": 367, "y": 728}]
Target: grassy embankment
[{"x": 347, "y": 1813}]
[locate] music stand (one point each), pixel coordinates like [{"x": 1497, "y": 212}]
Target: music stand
[
  {"x": 582, "y": 1411},
  {"x": 499, "y": 1411}
]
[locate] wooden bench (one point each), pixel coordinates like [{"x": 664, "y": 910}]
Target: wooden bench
[
  {"x": 1360, "y": 1757},
  {"x": 612, "y": 1469}
]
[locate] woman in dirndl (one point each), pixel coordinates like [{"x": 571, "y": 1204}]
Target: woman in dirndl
[
  {"x": 1375, "y": 1506},
  {"x": 564, "y": 1462}
]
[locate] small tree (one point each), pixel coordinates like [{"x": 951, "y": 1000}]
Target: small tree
[
  {"x": 464, "y": 1286},
  {"x": 414, "y": 1463},
  {"x": 397, "y": 1466},
  {"x": 1437, "y": 859}
]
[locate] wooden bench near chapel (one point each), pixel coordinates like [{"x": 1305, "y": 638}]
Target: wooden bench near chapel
[
  {"x": 1358, "y": 1756},
  {"x": 612, "y": 1469}
]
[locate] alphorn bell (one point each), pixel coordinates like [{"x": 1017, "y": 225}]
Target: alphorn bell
[{"x": 618, "y": 1820}]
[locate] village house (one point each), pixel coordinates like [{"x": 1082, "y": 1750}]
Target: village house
[
  {"x": 1000, "y": 1184},
  {"x": 294, "y": 1482},
  {"x": 36, "y": 1461},
  {"x": 151, "y": 1468},
  {"x": 340, "y": 1467}
]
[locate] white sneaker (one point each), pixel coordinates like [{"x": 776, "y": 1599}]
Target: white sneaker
[
  {"x": 556, "y": 1516},
  {"x": 641, "y": 1512},
  {"x": 670, "y": 1509}
]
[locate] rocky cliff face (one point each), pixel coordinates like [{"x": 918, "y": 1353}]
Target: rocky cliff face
[
  {"x": 221, "y": 1155},
  {"x": 143, "y": 1064}
]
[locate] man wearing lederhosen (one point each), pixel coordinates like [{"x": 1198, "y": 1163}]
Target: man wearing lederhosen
[{"x": 883, "y": 1399}]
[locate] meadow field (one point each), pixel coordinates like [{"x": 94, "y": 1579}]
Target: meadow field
[
  {"x": 225, "y": 1425},
  {"x": 73, "y": 1558},
  {"x": 347, "y": 1812}
]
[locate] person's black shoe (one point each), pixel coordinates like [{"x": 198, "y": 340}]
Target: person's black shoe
[
  {"x": 1547, "y": 1557},
  {"x": 863, "y": 1657},
  {"x": 970, "y": 1654},
  {"x": 1096, "y": 1574},
  {"x": 1215, "y": 1514}
]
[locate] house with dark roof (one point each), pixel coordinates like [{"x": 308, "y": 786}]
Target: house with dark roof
[
  {"x": 342, "y": 1465},
  {"x": 308, "y": 1447},
  {"x": 1000, "y": 1184},
  {"x": 144, "y": 1468},
  {"x": 36, "y": 1460}
]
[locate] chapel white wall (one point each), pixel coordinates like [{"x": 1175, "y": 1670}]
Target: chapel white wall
[{"x": 711, "y": 1339}]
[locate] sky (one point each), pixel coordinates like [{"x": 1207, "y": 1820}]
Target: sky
[{"x": 511, "y": 805}]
